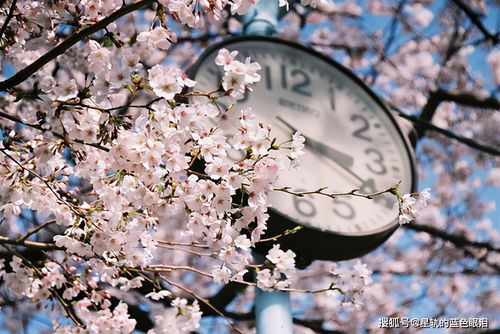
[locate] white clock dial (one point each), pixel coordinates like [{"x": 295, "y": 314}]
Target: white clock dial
[{"x": 351, "y": 141}]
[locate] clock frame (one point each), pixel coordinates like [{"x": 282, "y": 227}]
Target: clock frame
[{"x": 309, "y": 242}]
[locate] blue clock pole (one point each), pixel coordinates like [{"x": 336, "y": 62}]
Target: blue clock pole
[
  {"x": 273, "y": 311},
  {"x": 262, "y": 18}
]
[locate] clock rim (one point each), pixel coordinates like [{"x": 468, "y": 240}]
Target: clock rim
[{"x": 392, "y": 225}]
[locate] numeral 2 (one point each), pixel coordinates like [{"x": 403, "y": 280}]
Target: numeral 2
[
  {"x": 299, "y": 86},
  {"x": 359, "y": 133}
]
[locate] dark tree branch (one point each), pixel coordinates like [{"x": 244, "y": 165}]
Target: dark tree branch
[
  {"x": 460, "y": 242},
  {"x": 25, "y": 73},
  {"x": 474, "y": 17},
  {"x": 441, "y": 95},
  {"x": 466, "y": 99},
  {"x": 426, "y": 125},
  {"x": 347, "y": 48},
  {"x": 9, "y": 17},
  {"x": 393, "y": 26},
  {"x": 456, "y": 239},
  {"x": 28, "y": 243},
  {"x": 36, "y": 229}
]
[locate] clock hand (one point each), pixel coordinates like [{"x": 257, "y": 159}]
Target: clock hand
[
  {"x": 340, "y": 158},
  {"x": 343, "y": 160}
]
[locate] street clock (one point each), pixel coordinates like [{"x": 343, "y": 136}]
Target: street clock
[{"x": 352, "y": 141}]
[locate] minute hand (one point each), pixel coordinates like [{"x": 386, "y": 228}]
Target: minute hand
[{"x": 342, "y": 159}]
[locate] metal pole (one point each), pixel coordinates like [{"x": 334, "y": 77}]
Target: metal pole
[
  {"x": 273, "y": 310},
  {"x": 262, "y": 18}
]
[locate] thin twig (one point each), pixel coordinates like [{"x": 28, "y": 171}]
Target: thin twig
[
  {"x": 58, "y": 135},
  {"x": 192, "y": 244},
  {"x": 67, "y": 308},
  {"x": 286, "y": 232},
  {"x": 320, "y": 191},
  {"x": 35, "y": 230},
  {"x": 186, "y": 250},
  {"x": 164, "y": 267},
  {"x": 4, "y": 151},
  {"x": 330, "y": 288},
  {"x": 127, "y": 105}
]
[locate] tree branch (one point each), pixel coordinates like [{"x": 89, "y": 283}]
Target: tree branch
[
  {"x": 393, "y": 26},
  {"x": 466, "y": 99},
  {"x": 28, "y": 243},
  {"x": 35, "y": 230},
  {"x": 474, "y": 17},
  {"x": 455, "y": 239},
  {"x": 441, "y": 95},
  {"x": 9, "y": 17},
  {"x": 426, "y": 125},
  {"x": 460, "y": 242},
  {"x": 69, "y": 42}
]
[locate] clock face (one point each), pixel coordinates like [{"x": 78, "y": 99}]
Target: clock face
[{"x": 351, "y": 140}]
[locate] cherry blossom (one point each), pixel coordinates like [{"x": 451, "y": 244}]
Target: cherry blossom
[{"x": 121, "y": 193}]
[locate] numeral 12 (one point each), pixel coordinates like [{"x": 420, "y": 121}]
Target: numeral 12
[{"x": 300, "y": 80}]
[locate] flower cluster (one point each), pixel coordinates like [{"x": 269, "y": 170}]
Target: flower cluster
[
  {"x": 181, "y": 318},
  {"x": 168, "y": 81},
  {"x": 282, "y": 267},
  {"x": 116, "y": 321},
  {"x": 408, "y": 205},
  {"x": 167, "y": 167},
  {"x": 351, "y": 282},
  {"x": 237, "y": 75},
  {"x": 19, "y": 281}
]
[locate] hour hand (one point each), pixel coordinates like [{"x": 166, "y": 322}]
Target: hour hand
[{"x": 338, "y": 157}]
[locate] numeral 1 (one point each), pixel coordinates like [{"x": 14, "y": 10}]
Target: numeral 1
[{"x": 331, "y": 92}]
